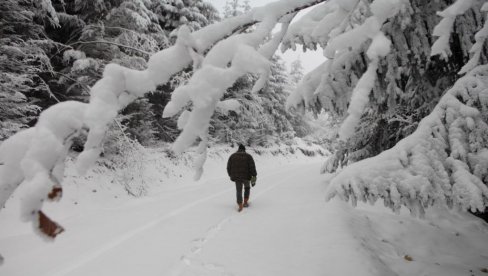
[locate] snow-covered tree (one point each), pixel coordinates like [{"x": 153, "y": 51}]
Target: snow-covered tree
[
  {"x": 444, "y": 161},
  {"x": 236, "y": 7},
  {"x": 296, "y": 71}
]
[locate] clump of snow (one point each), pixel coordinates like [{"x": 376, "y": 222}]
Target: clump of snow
[
  {"x": 12, "y": 151},
  {"x": 228, "y": 105},
  {"x": 71, "y": 54},
  {"x": 315, "y": 26},
  {"x": 83, "y": 64}
]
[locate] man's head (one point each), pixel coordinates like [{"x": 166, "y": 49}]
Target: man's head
[{"x": 241, "y": 148}]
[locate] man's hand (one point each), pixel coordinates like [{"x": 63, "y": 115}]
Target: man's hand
[{"x": 253, "y": 181}]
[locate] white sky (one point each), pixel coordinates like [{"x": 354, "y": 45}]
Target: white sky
[{"x": 309, "y": 59}]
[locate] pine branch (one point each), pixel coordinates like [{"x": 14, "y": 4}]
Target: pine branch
[
  {"x": 112, "y": 43},
  {"x": 123, "y": 29},
  {"x": 51, "y": 94},
  {"x": 84, "y": 86}
]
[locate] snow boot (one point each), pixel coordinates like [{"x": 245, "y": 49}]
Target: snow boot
[
  {"x": 246, "y": 202},
  {"x": 240, "y": 207}
]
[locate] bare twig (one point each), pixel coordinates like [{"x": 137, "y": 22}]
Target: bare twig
[{"x": 84, "y": 86}]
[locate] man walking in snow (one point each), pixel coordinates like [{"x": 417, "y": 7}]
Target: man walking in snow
[{"x": 242, "y": 171}]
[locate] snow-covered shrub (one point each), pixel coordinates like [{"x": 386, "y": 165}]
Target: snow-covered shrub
[{"x": 126, "y": 157}]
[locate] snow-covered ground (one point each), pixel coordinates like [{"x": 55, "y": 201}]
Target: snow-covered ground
[{"x": 184, "y": 227}]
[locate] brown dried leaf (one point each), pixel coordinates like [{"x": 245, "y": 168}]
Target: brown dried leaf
[
  {"x": 55, "y": 193},
  {"x": 49, "y": 227}
]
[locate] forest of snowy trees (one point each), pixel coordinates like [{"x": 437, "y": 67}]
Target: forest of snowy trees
[{"x": 401, "y": 78}]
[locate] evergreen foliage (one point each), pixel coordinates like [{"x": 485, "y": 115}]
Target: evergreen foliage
[{"x": 24, "y": 59}]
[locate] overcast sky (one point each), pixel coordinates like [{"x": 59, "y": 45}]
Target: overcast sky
[{"x": 309, "y": 59}]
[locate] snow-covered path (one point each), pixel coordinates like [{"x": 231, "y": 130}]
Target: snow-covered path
[
  {"x": 194, "y": 229},
  {"x": 289, "y": 229}
]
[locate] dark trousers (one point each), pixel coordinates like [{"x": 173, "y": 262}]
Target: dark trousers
[{"x": 247, "y": 190}]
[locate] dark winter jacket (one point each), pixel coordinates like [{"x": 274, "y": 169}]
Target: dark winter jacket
[{"x": 241, "y": 166}]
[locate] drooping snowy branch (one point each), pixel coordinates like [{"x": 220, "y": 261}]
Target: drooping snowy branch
[
  {"x": 444, "y": 28},
  {"x": 380, "y": 47},
  {"x": 328, "y": 25},
  {"x": 445, "y": 161},
  {"x": 35, "y": 157},
  {"x": 304, "y": 94},
  {"x": 321, "y": 24},
  {"x": 476, "y": 49}
]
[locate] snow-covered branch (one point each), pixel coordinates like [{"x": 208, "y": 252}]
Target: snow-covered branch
[
  {"x": 35, "y": 157},
  {"x": 445, "y": 161},
  {"x": 444, "y": 28},
  {"x": 379, "y": 47},
  {"x": 476, "y": 49},
  {"x": 111, "y": 43}
]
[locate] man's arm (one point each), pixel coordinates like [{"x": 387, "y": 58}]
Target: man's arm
[
  {"x": 228, "y": 166},
  {"x": 252, "y": 166}
]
